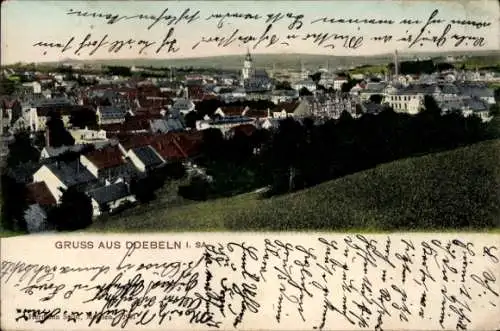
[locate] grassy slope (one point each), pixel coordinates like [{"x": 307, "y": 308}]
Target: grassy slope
[{"x": 447, "y": 187}]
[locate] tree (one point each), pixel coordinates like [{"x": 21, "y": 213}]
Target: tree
[
  {"x": 83, "y": 118},
  {"x": 58, "y": 135},
  {"x": 74, "y": 212},
  {"x": 21, "y": 150},
  {"x": 376, "y": 98},
  {"x": 304, "y": 92},
  {"x": 14, "y": 203},
  {"x": 283, "y": 85},
  {"x": 316, "y": 77},
  {"x": 190, "y": 119}
]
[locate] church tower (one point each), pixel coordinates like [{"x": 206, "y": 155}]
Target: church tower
[{"x": 248, "y": 69}]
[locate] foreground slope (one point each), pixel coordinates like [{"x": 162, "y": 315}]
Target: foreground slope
[{"x": 458, "y": 189}]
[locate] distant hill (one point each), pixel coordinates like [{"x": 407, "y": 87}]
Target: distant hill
[
  {"x": 458, "y": 189},
  {"x": 267, "y": 61}
]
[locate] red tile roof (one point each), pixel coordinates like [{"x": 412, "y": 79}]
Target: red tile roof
[
  {"x": 132, "y": 124},
  {"x": 40, "y": 193},
  {"x": 108, "y": 157},
  {"x": 136, "y": 140},
  {"x": 171, "y": 146}
]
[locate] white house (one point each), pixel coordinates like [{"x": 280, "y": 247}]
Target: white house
[
  {"x": 106, "y": 163},
  {"x": 84, "y": 136},
  {"x": 338, "y": 82},
  {"x": 110, "y": 197},
  {"x": 145, "y": 158},
  {"x": 61, "y": 176},
  {"x": 307, "y": 83}
]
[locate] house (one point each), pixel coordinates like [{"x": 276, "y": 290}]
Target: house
[
  {"x": 50, "y": 152},
  {"x": 39, "y": 200},
  {"x": 224, "y": 123},
  {"x": 231, "y": 111},
  {"x": 290, "y": 109},
  {"x": 478, "y": 91},
  {"x": 166, "y": 125},
  {"x": 339, "y": 81},
  {"x": 107, "y": 163},
  {"x": 60, "y": 176},
  {"x": 145, "y": 158},
  {"x": 86, "y": 136},
  {"x": 110, "y": 115},
  {"x": 270, "y": 123},
  {"x": 109, "y": 198},
  {"x": 182, "y": 106},
  {"x": 35, "y": 87},
  {"x": 307, "y": 83}
]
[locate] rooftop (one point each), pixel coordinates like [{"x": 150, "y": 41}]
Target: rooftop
[{"x": 108, "y": 157}]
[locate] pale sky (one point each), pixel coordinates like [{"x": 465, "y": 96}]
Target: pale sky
[{"x": 24, "y": 23}]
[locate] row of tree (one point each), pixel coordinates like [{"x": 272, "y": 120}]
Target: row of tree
[{"x": 301, "y": 154}]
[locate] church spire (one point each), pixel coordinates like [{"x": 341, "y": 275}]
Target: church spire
[{"x": 248, "y": 56}]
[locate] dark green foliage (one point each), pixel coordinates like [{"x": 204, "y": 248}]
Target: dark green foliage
[
  {"x": 458, "y": 189},
  {"x": 304, "y": 92},
  {"x": 316, "y": 77},
  {"x": 83, "y": 118},
  {"x": 376, "y": 98},
  {"x": 58, "y": 135},
  {"x": 118, "y": 71},
  {"x": 198, "y": 189},
  {"x": 73, "y": 213},
  {"x": 21, "y": 150},
  {"x": 284, "y": 85},
  {"x": 305, "y": 155},
  {"x": 14, "y": 203}
]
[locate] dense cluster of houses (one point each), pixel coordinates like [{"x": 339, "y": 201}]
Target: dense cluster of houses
[{"x": 141, "y": 122}]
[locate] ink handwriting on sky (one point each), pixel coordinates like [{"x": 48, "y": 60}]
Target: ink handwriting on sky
[{"x": 263, "y": 31}]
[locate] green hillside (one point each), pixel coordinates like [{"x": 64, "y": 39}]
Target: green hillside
[{"x": 452, "y": 190}]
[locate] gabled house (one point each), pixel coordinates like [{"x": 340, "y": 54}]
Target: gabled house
[
  {"x": 108, "y": 163},
  {"x": 109, "y": 198},
  {"x": 110, "y": 115},
  {"x": 145, "y": 158},
  {"x": 50, "y": 152},
  {"x": 60, "y": 176}
]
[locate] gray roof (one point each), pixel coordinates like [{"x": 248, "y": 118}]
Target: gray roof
[
  {"x": 477, "y": 91},
  {"x": 71, "y": 173},
  {"x": 167, "y": 125},
  {"x": 109, "y": 193},
  {"x": 476, "y": 105},
  {"x": 55, "y": 151},
  {"x": 148, "y": 156},
  {"x": 112, "y": 112}
]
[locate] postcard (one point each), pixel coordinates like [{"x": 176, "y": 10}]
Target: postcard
[{"x": 250, "y": 165}]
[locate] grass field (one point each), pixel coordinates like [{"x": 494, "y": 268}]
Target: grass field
[{"x": 459, "y": 187}]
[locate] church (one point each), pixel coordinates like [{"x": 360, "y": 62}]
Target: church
[{"x": 252, "y": 79}]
